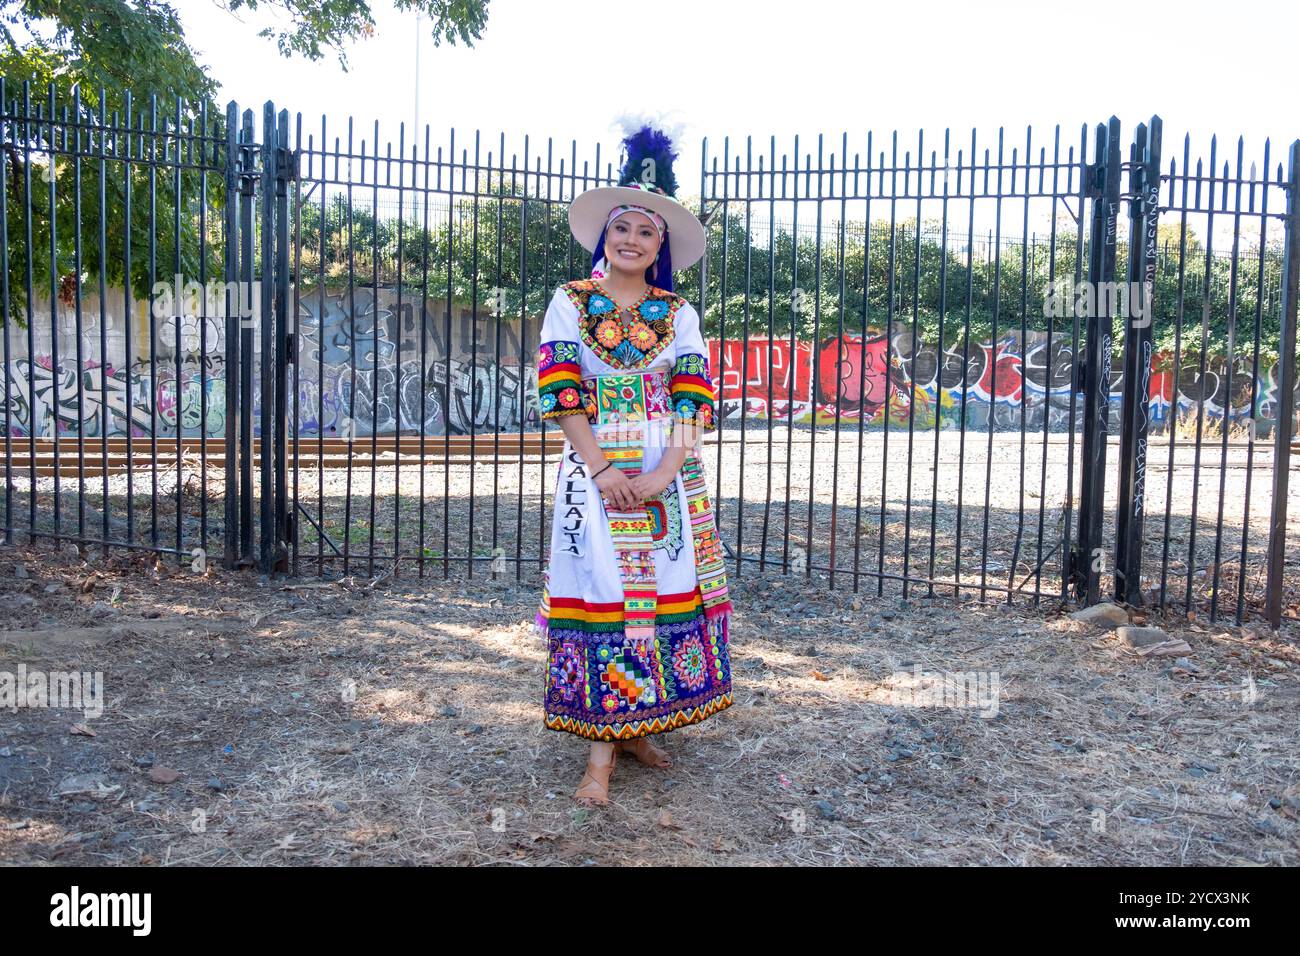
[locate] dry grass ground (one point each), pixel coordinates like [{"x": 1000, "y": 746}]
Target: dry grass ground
[{"x": 400, "y": 722}]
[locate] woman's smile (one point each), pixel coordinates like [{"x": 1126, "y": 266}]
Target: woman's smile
[{"x": 631, "y": 243}]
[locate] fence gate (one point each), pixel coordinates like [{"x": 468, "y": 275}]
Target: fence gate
[
  {"x": 1205, "y": 422},
  {"x": 259, "y": 345},
  {"x": 923, "y": 385},
  {"x": 919, "y": 361}
]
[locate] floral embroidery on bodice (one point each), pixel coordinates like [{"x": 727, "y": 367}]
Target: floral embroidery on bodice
[{"x": 630, "y": 338}]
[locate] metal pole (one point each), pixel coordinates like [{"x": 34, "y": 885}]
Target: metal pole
[
  {"x": 269, "y": 359},
  {"x": 1144, "y": 215},
  {"x": 232, "y": 310},
  {"x": 1104, "y": 192},
  {"x": 284, "y": 353},
  {"x": 246, "y": 311},
  {"x": 1285, "y": 406}
]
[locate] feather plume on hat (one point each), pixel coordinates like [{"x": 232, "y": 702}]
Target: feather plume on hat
[
  {"x": 648, "y": 159},
  {"x": 646, "y": 178}
]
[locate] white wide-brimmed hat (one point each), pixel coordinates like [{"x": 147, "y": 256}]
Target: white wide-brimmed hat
[
  {"x": 588, "y": 213},
  {"x": 646, "y": 179}
]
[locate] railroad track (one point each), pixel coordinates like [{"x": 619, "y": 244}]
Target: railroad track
[{"x": 95, "y": 456}]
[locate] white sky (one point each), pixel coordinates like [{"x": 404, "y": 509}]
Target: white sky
[{"x": 567, "y": 68}]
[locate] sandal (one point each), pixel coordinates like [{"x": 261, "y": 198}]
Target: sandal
[
  {"x": 644, "y": 751},
  {"x": 593, "y": 789}
]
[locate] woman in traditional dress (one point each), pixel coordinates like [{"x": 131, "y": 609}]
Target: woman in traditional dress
[{"x": 634, "y": 603}]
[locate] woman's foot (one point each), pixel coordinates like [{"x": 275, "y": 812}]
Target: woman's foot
[
  {"x": 647, "y": 753},
  {"x": 594, "y": 787}
]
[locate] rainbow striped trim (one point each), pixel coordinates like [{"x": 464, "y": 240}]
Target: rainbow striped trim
[
  {"x": 694, "y": 399},
  {"x": 559, "y": 380}
]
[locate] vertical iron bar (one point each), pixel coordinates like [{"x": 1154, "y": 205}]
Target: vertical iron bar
[
  {"x": 993, "y": 366},
  {"x": 30, "y": 302},
  {"x": 1083, "y": 192},
  {"x": 909, "y": 379},
  {"x": 232, "y": 310},
  {"x": 861, "y": 397},
  {"x": 1254, "y": 373},
  {"x": 1285, "y": 405},
  {"x": 744, "y": 350},
  {"x": 890, "y": 380},
  {"x": 298, "y": 350},
  {"x": 1025, "y": 265},
  {"x": 350, "y": 422},
  {"x": 246, "y": 322},
  {"x": 769, "y": 349},
  {"x": 1144, "y": 216},
  {"x": 52, "y": 146},
  {"x": 815, "y": 365},
  {"x": 941, "y": 352},
  {"x": 179, "y": 400},
  {"x": 1172, "y": 425},
  {"x": 374, "y": 346},
  {"x": 5, "y": 314},
  {"x": 284, "y": 172},
  {"x": 268, "y": 358},
  {"x": 1104, "y": 192},
  {"x": 152, "y": 398},
  {"x": 1229, "y": 362}
]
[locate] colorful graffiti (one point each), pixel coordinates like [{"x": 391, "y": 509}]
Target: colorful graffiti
[
  {"x": 361, "y": 358},
  {"x": 1002, "y": 383},
  {"x": 349, "y": 356},
  {"x": 386, "y": 365},
  {"x": 102, "y": 399}
]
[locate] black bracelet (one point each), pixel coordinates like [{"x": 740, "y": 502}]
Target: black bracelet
[{"x": 608, "y": 465}]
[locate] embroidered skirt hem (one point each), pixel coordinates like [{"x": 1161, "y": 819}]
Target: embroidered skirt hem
[
  {"x": 601, "y": 685},
  {"x": 639, "y": 728}
]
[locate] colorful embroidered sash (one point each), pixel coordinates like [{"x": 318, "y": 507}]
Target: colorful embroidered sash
[
  {"x": 619, "y": 405},
  {"x": 624, "y": 445},
  {"x": 627, "y": 397},
  {"x": 710, "y": 565}
]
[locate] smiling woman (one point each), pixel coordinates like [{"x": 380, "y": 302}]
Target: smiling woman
[{"x": 635, "y": 606}]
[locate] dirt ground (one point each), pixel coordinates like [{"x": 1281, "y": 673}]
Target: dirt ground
[{"x": 399, "y": 721}]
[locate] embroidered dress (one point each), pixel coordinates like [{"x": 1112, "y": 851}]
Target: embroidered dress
[{"x": 634, "y": 604}]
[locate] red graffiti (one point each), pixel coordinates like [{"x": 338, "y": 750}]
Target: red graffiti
[
  {"x": 863, "y": 371},
  {"x": 1009, "y": 384},
  {"x": 769, "y": 366}
]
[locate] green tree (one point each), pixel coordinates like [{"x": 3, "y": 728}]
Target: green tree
[{"x": 73, "y": 62}]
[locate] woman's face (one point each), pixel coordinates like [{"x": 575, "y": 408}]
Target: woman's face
[{"x": 631, "y": 244}]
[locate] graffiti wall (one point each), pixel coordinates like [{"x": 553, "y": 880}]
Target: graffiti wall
[
  {"x": 350, "y": 348},
  {"x": 1000, "y": 383},
  {"x": 388, "y": 366}
]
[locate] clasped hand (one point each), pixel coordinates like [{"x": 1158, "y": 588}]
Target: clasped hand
[{"x": 627, "y": 493}]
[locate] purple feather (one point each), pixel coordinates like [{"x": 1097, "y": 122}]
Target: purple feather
[{"x": 652, "y": 144}]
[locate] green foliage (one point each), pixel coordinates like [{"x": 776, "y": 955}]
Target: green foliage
[
  {"x": 320, "y": 25},
  {"x": 75, "y": 182},
  {"x": 115, "y": 44},
  {"x": 521, "y": 246},
  {"x": 77, "y": 58},
  {"x": 883, "y": 288}
]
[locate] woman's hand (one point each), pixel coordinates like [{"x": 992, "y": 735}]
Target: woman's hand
[
  {"x": 615, "y": 487},
  {"x": 652, "y": 482}
]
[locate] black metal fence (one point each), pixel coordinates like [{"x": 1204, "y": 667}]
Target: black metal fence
[{"x": 922, "y": 383}]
